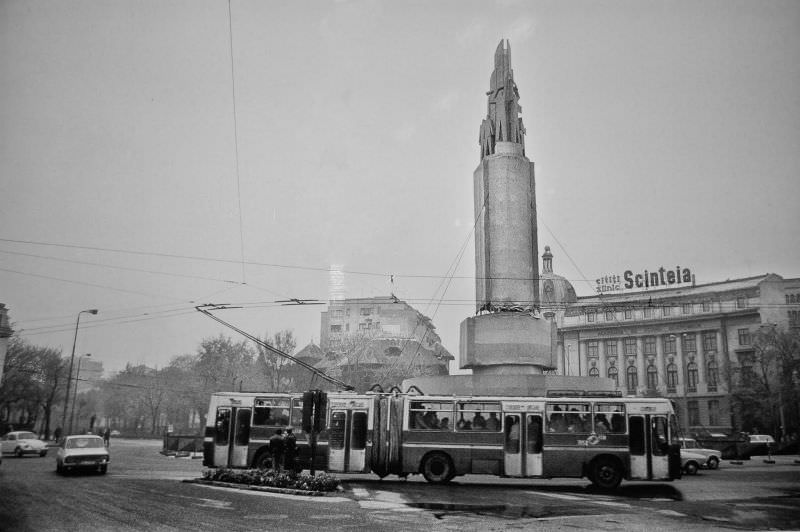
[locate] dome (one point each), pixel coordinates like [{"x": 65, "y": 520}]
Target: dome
[{"x": 555, "y": 291}]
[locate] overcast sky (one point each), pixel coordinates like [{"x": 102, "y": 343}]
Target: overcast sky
[{"x": 149, "y": 162}]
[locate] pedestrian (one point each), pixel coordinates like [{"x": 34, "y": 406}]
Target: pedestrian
[
  {"x": 289, "y": 451},
  {"x": 57, "y": 434},
  {"x": 276, "y": 449},
  {"x": 107, "y": 436}
]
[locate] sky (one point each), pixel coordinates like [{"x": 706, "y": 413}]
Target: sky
[{"x": 157, "y": 155}]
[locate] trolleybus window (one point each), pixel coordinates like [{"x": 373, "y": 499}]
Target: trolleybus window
[
  {"x": 297, "y": 412},
  {"x": 568, "y": 417},
  {"x": 222, "y": 426},
  {"x": 430, "y": 415},
  {"x": 359, "y": 433},
  {"x": 478, "y": 416},
  {"x": 609, "y": 418},
  {"x": 271, "y": 411}
]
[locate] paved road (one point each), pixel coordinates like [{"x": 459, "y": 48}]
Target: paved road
[{"x": 142, "y": 491}]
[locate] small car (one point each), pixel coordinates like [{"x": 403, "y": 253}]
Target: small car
[
  {"x": 22, "y": 442},
  {"x": 691, "y": 462},
  {"x": 713, "y": 456},
  {"x": 760, "y": 444},
  {"x": 85, "y": 451}
]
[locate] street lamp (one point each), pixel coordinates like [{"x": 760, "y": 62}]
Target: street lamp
[
  {"x": 69, "y": 375},
  {"x": 75, "y": 393}
]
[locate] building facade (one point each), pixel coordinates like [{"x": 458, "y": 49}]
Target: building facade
[{"x": 690, "y": 343}]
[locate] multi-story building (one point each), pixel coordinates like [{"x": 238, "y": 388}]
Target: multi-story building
[
  {"x": 690, "y": 342},
  {"x": 379, "y": 334}
]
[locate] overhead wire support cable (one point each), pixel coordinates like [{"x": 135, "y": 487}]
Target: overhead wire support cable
[
  {"x": 236, "y": 141},
  {"x": 205, "y": 309}
]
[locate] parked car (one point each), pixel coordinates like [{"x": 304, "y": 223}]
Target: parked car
[
  {"x": 115, "y": 432},
  {"x": 22, "y": 442},
  {"x": 85, "y": 451},
  {"x": 691, "y": 462},
  {"x": 713, "y": 456},
  {"x": 760, "y": 444}
]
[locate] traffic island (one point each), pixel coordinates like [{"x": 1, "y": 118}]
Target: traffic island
[{"x": 270, "y": 480}]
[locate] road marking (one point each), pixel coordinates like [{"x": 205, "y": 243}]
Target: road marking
[
  {"x": 282, "y": 495},
  {"x": 360, "y": 493},
  {"x": 671, "y": 513},
  {"x": 557, "y": 496}
]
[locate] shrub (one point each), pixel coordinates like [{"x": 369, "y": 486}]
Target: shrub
[{"x": 272, "y": 478}]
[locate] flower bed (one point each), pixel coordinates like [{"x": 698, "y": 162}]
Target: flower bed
[{"x": 274, "y": 479}]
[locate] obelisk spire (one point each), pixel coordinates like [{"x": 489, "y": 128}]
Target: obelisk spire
[{"x": 503, "y": 122}]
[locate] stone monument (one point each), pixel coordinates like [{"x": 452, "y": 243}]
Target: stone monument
[{"x": 508, "y": 344}]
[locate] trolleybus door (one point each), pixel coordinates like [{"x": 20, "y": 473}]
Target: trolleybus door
[
  {"x": 347, "y": 440},
  {"x": 523, "y": 444},
  {"x": 231, "y": 436},
  {"x": 649, "y": 447}
]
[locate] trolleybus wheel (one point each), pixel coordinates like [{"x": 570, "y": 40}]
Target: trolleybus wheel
[
  {"x": 606, "y": 473},
  {"x": 438, "y": 468}
]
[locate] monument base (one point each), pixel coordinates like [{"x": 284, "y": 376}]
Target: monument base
[{"x": 508, "y": 385}]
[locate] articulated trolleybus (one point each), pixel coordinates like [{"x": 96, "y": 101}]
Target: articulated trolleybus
[{"x": 605, "y": 439}]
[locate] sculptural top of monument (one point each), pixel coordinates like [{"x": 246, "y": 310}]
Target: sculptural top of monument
[{"x": 503, "y": 122}]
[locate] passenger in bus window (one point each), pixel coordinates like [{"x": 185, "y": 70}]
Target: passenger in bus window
[
  {"x": 418, "y": 421},
  {"x": 445, "y": 424},
  {"x": 463, "y": 424},
  {"x": 478, "y": 421},
  {"x": 431, "y": 420},
  {"x": 557, "y": 422},
  {"x": 601, "y": 425},
  {"x": 493, "y": 423}
]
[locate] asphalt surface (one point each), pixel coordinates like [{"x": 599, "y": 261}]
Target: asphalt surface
[{"x": 143, "y": 490}]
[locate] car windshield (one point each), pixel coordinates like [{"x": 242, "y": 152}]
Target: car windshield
[
  {"x": 26, "y": 436},
  {"x": 81, "y": 443},
  {"x": 689, "y": 444}
]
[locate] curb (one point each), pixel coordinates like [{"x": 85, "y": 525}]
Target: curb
[{"x": 250, "y": 487}]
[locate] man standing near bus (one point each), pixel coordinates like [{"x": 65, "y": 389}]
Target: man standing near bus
[
  {"x": 289, "y": 451},
  {"x": 276, "y": 449}
]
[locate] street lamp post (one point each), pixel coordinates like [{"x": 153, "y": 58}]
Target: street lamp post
[
  {"x": 75, "y": 392},
  {"x": 69, "y": 375}
]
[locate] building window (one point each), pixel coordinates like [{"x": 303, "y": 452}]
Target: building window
[
  {"x": 591, "y": 316},
  {"x": 336, "y": 328},
  {"x": 628, "y": 314},
  {"x": 648, "y": 312},
  {"x": 666, "y": 310},
  {"x": 694, "y": 413},
  {"x": 650, "y": 345},
  {"x": 594, "y": 372},
  {"x": 631, "y": 379},
  {"x": 687, "y": 308},
  {"x": 613, "y": 373},
  {"x": 652, "y": 377},
  {"x": 338, "y": 313},
  {"x": 691, "y": 377},
  {"x": 609, "y": 315},
  {"x": 744, "y": 337},
  {"x": 366, "y": 311},
  {"x": 591, "y": 348},
  {"x": 672, "y": 377},
  {"x": 611, "y": 348},
  {"x": 709, "y": 342},
  {"x": 741, "y": 302},
  {"x": 747, "y": 374},
  {"x": 712, "y": 375},
  {"x": 689, "y": 343},
  {"x": 669, "y": 344},
  {"x": 629, "y": 346},
  {"x": 713, "y": 412},
  {"x": 706, "y": 306}
]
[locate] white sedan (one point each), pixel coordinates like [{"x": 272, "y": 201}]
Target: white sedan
[
  {"x": 22, "y": 442},
  {"x": 82, "y": 452}
]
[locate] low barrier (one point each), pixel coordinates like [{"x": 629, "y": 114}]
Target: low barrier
[{"x": 182, "y": 445}]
